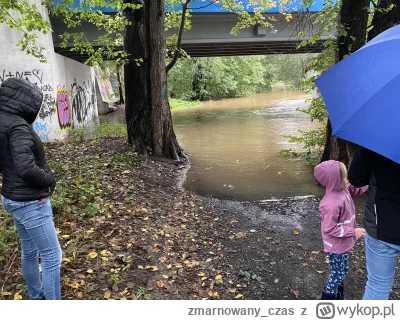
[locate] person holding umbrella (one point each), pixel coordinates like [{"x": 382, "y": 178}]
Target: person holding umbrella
[{"x": 361, "y": 96}]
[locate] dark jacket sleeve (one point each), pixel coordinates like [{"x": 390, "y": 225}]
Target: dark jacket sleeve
[
  {"x": 22, "y": 144},
  {"x": 360, "y": 168}
]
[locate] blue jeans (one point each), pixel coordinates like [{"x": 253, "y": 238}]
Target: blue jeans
[
  {"x": 35, "y": 227},
  {"x": 339, "y": 266},
  {"x": 381, "y": 267}
]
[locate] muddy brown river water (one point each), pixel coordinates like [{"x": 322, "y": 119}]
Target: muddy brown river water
[{"x": 235, "y": 146}]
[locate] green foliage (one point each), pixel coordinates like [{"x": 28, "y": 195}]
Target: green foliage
[
  {"x": 82, "y": 191},
  {"x": 313, "y": 141},
  {"x": 105, "y": 130},
  {"x": 286, "y": 69},
  {"x": 206, "y": 78},
  {"x": 142, "y": 294},
  {"x": 106, "y": 46},
  {"x": 178, "y": 103},
  {"x": 26, "y": 18},
  {"x": 213, "y": 78}
]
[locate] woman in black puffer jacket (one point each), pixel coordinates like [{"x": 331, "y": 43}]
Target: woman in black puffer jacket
[{"x": 27, "y": 184}]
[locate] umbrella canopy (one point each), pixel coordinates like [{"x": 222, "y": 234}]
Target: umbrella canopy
[{"x": 362, "y": 95}]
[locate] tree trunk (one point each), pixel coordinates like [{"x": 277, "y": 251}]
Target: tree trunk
[
  {"x": 384, "y": 20},
  {"x": 147, "y": 109},
  {"x": 354, "y": 17}
]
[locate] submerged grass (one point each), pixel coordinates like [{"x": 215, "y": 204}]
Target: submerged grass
[{"x": 178, "y": 103}]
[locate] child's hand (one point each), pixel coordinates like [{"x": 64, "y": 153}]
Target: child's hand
[{"x": 359, "y": 232}]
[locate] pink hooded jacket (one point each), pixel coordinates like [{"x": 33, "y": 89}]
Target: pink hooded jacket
[{"x": 336, "y": 208}]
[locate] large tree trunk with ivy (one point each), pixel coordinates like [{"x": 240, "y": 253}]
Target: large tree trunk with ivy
[
  {"x": 148, "y": 114},
  {"x": 384, "y": 19},
  {"x": 354, "y": 20}
]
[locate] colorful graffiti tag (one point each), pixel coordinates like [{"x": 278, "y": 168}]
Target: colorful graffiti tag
[{"x": 63, "y": 108}]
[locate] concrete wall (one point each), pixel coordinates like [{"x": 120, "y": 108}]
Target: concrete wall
[{"x": 68, "y": 86}]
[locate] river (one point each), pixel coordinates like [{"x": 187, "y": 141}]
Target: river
[{"x": 235, "y": 146}]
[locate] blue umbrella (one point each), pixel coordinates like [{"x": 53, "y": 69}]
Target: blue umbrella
[{"x": 362, "y": 95}]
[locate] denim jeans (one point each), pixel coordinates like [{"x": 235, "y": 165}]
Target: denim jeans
[
  {"x": 381, "y": 267},
  {"x": 35, "y": 227}
]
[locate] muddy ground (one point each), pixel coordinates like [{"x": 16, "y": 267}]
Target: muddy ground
[{"x": 152, "y": 239}]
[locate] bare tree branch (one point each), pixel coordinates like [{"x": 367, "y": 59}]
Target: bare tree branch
[{"x": 180, "y": 33}]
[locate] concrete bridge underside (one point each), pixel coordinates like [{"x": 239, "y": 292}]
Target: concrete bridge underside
[{"x": 210, "y": 36}]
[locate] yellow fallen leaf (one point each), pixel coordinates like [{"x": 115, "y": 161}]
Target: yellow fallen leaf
[
  {"x": 73, "y": 285},
  {"x": 105, "y": 253},
  {"x": 90, "y": 230},
  {"x": 165, "y": 276},
  {"x": 204, "y": 278},
  {"x": 239, "y": 296},
  {"x": 296, "y": 232},
  {"x": 218, "y": 277},
  {"x": 92, "y": 254},
  {"x": 104, "y": 258},
  {"x": 215, "y": 294},
  {"x": 169, "y": 266},
  {"x": 6, "y": 293},
  {"x": 276, "y": 280},
  {"x": 89, "y": 271},
  {"x": 146, "y": 218},
  {"x": 107, "y": 295},
  {"x": 17, "y": 297},
  {"x": 65, "y": 236},
  {"x": 201, "y": 274}
]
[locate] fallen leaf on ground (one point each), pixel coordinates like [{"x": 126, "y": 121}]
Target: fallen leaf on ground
[
  {"x": 92, "y": 254},
  {"x": 17, "y": 297}
]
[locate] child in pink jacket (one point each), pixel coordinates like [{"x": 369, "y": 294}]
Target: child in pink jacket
[{"x": 338, "y": 225}]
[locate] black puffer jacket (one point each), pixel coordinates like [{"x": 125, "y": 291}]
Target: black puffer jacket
[
  {"x": 382, "y": 211},
  {"x": 26, "y": 175}
]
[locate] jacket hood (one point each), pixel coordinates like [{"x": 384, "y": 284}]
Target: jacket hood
[
  {"x": 327, "y": 174},
  {"x": 20, "y": 97}
]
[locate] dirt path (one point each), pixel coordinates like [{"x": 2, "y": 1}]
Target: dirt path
[{"x": 128, "y": 231}]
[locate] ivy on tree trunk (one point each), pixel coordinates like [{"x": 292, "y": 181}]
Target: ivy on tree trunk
[{"x": 148, "y": 114}]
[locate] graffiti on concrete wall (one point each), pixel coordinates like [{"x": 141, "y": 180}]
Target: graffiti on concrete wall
[
  {"x": 106, "y": 90},
  {"x": 63, "y": 108},
  {"x": 83, "y": 101},
  {"x": 48, "y": 106},
  {"x": 41, "y": 130},
  {"x": 35, "y": 76}
]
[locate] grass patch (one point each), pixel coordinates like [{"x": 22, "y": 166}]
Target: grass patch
[
  {"x": 105, "y": 130},
  {"x": 178, "y": 103}
]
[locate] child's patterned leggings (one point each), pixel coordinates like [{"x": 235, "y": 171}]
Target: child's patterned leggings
[{"x": 339, "y": 265}]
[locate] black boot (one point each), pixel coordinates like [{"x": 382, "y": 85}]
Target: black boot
[
  {"x": 340, "y": 292},
  {"x": 327, "y": 296}
]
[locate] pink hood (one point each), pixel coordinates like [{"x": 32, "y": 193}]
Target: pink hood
[
  {"x": 328, "y": 174},
  {"x": 336, "y": 208}
]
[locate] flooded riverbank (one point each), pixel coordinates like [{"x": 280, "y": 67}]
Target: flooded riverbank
[{"x": 235, "y": 145}]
